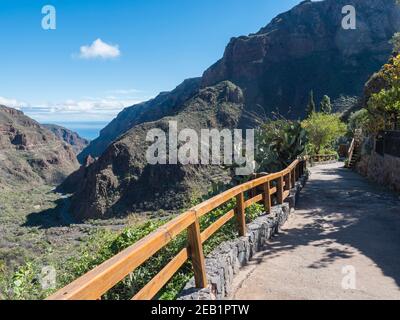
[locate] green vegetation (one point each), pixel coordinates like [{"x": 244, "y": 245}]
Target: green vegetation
[
  {"x": 325, "y": 105},
  {"x": 385, "y": 105},
  {"x": 310, "y": 108},
  {"x": 279, "y": 143},
  {"x": 396, "y": 38},
  {"x": 383, "y": 108},
  {"x": 323, "y": 130},
  {"x": 24, "y": 283},
  {"x": 396, "y": 42}
]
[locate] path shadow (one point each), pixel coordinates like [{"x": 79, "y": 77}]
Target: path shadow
[{"x": 345, "y": 212}]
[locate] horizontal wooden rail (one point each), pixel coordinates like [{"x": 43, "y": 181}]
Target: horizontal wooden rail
[{"x": 95, "y": 283}]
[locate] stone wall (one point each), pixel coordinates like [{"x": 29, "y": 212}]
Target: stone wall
[
  {"x": 384, "y": 170},
  {"x": 226, "y": 260}
]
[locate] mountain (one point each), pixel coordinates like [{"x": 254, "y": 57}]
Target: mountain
[
  {"x": 307, "y": 49},
  {"x": 121, "y": 180},
  {"x": 29, "y": 153},
  {"x": 164, "y": 104},
  {"x": 72, "y": 138},
  {"x": 274, "y": 69}
]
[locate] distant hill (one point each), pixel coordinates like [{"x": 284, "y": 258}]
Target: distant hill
[
  {"x": 72, "y": 138},
  {"x": 274, "y": 69},
  {"x": 166, "y": 103},
  {"x": 30, "y": 153}
]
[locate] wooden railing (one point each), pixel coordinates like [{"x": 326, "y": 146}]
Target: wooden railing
[
  {"x": 351, "y": 151},
  {"x": 323, "y": 157},
  {"x": 98, "y": 281}
]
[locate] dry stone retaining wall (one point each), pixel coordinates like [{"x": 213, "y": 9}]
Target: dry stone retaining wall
[{"x": 384, "y": 170}]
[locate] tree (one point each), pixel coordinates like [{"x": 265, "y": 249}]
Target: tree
[
  {"x": 396, "y": 38},
  {"x": 325, "y": 105},
  {"x": 310, "y": 109},
  {"x": 386, "y": 103},
  {"x": 396, "y": 42},
  {"x": 323, "y": 130},
  {"x": 365, "y": 120}
]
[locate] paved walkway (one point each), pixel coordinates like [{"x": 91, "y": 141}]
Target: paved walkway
[{"x": 343, "y": 226}]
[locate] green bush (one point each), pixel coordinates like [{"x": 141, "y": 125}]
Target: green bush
[{"x": 323, "y": 130}]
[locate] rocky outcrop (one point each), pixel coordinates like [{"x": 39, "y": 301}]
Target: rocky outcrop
[
  {"x": 307, "y": 49},
  {"x": 29, "y": 153},
  {"x": 70, "y": 137}
]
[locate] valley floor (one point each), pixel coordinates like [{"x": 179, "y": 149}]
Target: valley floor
[{"x": 35, "y": 227}]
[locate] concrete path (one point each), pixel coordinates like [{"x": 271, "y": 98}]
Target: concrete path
[{"x": 345, "y": 233}]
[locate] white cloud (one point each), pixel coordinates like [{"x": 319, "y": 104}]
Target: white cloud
[
  {"x": 13, "y": 103},
  {"x": 99, "y": 49},
  {"x": 86, "y": 109}
]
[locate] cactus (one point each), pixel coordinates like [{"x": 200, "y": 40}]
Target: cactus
[{"x": 278, "y": 143}]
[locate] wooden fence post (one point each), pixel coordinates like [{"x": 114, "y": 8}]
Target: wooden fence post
[
  {"x": 280, "y": 190},
  {"x": 240, "y": 214},
  {"x": 197, "y": 255},
  {"x": 267, "y": 197},
  {"x": 287, "y": 181},
  {"x": 293, "y": 176}
]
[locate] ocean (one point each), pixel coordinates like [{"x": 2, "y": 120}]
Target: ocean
[{"x": 87, "y": 130}]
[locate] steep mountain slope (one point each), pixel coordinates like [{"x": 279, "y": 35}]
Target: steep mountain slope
[
  {"x": 303, "y": 49},
  {"x": 307, "y": 48},
  {"x": 72, "y": 138},
  {"x": 164, "y": 104},
  {"x": 29, "y": 153},
  {"x": 121, "y": 180}
]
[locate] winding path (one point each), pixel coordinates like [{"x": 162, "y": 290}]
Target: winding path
[{"x": 343, "y": 226}]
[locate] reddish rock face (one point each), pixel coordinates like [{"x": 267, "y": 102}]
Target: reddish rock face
[
  {"x": 72, "y": 138},
  {"x": 307, "y": 49},
  {"x": 30, "y": 153}
]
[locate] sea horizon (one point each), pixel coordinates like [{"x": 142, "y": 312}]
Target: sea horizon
[{"x": 89, "y": 130}]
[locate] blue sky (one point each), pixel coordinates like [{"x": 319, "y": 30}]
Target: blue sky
[{"x": 145, "y": 46}]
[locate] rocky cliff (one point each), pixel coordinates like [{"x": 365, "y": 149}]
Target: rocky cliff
[
  {"x": 29, "y": 153},
  {"x": 307, "y": 49},
  {"x": 68, "y": 136},
  {"x": 274, "y": 69}
]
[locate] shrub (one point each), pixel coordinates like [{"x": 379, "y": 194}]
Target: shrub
[{"x": 323, "y": 130}]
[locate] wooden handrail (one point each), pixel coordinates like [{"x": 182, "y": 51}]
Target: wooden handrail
[
  {"x": 95, "y": 283},
  {"x": 351, "y": 149}
]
